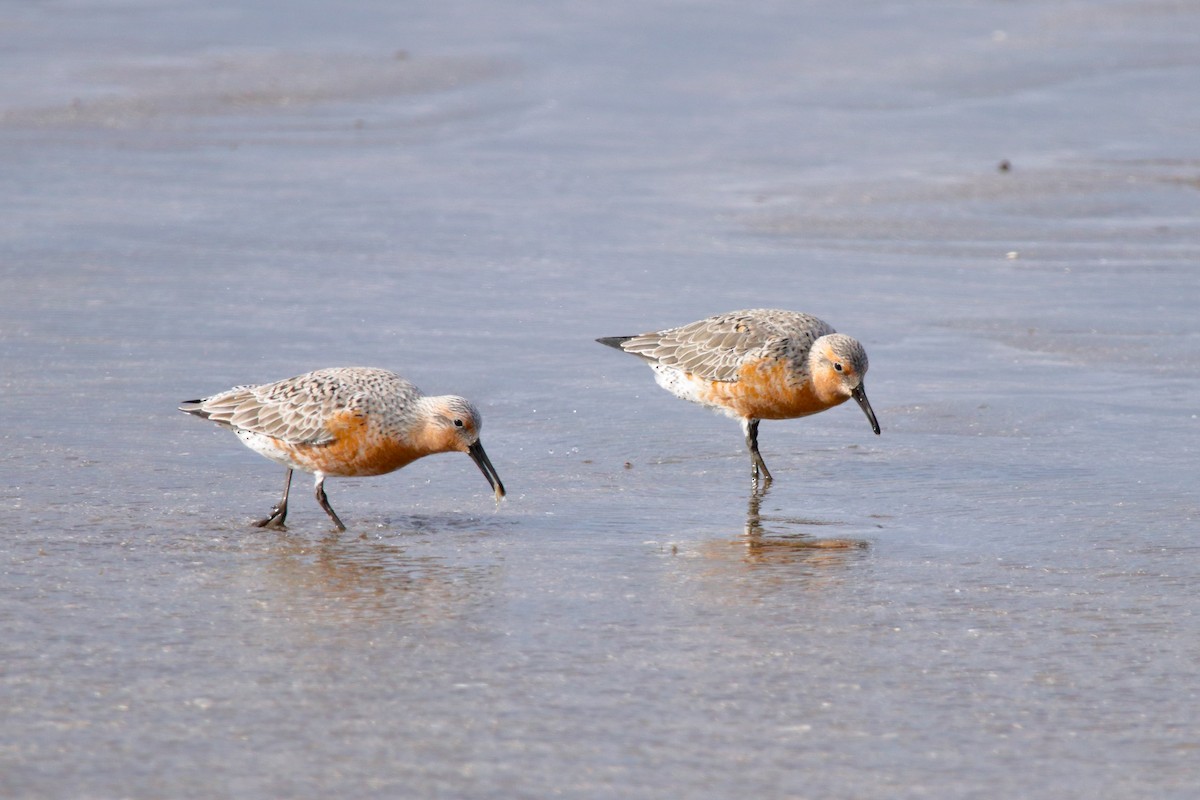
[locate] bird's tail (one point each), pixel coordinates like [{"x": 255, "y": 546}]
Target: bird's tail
[
  {"x": 614, "y": 341},
  {"x": 193, "y": 407}
]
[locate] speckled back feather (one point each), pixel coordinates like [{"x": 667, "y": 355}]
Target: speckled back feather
[
  {"x": 716, "y": 347},
  {"x": 296, "y": 410}
]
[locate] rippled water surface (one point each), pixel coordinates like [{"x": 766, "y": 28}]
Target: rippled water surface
[{"x": 996, "y": 597}]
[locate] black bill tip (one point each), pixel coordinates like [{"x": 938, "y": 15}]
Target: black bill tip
[
  {"x": 484, "y": 463},
  {"x": 860, "y": 397}
]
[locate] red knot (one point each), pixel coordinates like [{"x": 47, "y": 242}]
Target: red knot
[
  {"x": 754, "y": 365},
  {"x": 345, "y": 422}
]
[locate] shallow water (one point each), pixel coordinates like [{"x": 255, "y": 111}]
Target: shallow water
[{"x": 996, "y": 597}]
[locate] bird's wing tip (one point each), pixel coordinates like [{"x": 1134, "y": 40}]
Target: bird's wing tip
[{"x": 614, "y": 341}]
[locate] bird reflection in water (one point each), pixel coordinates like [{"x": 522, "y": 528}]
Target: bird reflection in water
[
  {"x": 366, "y": 579},
  {"x": 769, "y": 565},
  {"x": 762, "y": 546}
]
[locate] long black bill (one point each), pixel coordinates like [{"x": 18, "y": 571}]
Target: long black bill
[
  {"x": 484, "y": 463},
  {"x": 860, "y": 396}
]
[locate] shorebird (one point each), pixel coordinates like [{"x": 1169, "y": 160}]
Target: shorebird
[
  {"x": 756, "y": 364},
  {"x": 345, "y": 422}
]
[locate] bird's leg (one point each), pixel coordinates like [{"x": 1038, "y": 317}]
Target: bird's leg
[
  {"x": 757, "y": 465},
  {"x": 279, "y": 512},
  {"x": 324, "y": 501}
]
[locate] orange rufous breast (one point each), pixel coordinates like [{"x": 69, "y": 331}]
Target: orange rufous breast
[
  {"x": 768, "y": 390},
  {"x": 358, "y": 449}
]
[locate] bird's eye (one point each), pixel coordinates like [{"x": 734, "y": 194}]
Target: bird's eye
[
  {"x": 837, "y": 365},
  {"x": 458, "y": 423}
]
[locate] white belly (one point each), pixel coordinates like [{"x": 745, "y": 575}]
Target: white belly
[{"x": 265, "y": 446}]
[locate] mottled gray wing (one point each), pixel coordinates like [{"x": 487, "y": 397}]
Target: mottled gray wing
[
  {"x": 283, "y": 410},
  {"x": 715, "y": 348}
]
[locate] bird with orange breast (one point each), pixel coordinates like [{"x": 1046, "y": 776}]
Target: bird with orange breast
[
  {"x": 345, "y": 422},
  {"x": 756, "y": 364}
]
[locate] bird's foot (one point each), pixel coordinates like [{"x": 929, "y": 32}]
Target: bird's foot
[{"x": 275, "y": 521}]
